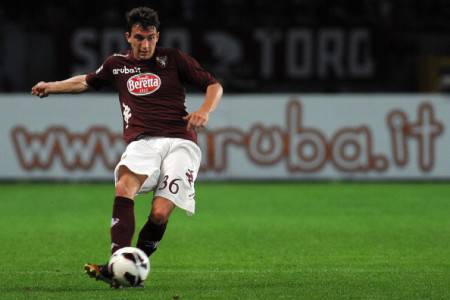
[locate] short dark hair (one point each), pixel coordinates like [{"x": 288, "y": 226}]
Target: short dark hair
[{"x": 143, "y": 16}]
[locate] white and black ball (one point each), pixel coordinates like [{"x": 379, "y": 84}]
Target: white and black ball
[{"x": 129, "y": 266}]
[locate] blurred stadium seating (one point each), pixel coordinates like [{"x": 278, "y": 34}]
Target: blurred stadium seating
[{"x": 293, "y": 46}]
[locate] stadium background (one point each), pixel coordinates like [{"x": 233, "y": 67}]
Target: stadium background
[
  {"x": 50, "y": 39},
  {"x": 330, "y": 181}
]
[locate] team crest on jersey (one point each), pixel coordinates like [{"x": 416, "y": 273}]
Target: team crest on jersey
[
  {"x": 143, "y": 84},
  {"x": 162, "y": 61}
]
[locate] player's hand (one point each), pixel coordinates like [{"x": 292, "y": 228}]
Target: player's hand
[
  {"x": 197, "y": 119},
  {"x": 40, "y": 89}
]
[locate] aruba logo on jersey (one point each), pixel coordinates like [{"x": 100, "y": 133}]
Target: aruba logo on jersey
[{"x": 143, "y": 84}]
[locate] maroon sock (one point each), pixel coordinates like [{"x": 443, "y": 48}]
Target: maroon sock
[
  {"x": 150, "y": 236},
  {"x": 122, "y": 223}
]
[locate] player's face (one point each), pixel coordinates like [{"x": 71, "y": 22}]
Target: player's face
[{"x": 143, "y": 41}]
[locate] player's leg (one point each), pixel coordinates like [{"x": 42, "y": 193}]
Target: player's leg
[
  {"x": 122, "y": 222},
  {"x": 153, "y": 231},
  {"x": 176, "y": 188},
  {"x": 137, "y": 171}
]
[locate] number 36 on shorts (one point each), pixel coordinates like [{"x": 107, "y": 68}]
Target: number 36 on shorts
[{"x": 172, "y": 185}]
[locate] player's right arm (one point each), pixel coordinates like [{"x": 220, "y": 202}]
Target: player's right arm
[{"x": 76, "y": 84}]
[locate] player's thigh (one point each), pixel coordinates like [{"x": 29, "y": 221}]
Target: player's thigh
[
  {"x": 142, "y": 158},
  {"x": 179, "y": 171},
  {"x": 180, "y": 166},
  {"x": 128, "y": 183}
]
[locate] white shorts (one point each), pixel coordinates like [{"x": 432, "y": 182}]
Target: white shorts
[{"x": 171, "y": 166}]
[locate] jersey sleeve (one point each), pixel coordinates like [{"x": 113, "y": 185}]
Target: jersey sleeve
[
  {"x": 192, "y": 72},
  {"x": 101, "y": 77}
]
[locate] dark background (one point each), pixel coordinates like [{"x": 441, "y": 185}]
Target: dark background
[{"x": 251, "y": 46}]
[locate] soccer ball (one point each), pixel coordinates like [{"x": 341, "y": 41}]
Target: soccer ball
[{"x": 129, "y": 266}]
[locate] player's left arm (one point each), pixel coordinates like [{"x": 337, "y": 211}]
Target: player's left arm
[{"x": 200, "y": 117}]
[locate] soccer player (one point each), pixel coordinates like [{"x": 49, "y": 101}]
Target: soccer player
[{"x": 161, "y": 155}]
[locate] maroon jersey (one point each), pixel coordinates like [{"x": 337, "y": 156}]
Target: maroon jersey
[{"x": 151, "y": 92}]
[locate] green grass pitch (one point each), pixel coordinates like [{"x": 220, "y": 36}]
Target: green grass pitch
[{"x": 247, "y": 241}]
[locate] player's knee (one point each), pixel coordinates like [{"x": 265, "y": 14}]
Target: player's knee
[
  {"x": 123, "y": 190},
  {"x": 159, "y": 216}
]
